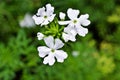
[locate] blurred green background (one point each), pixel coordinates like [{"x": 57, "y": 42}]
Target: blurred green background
[{"x": 94, "y": 57}]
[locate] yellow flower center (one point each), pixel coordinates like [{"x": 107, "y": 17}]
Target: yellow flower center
[
  {"x": 45, "y": 17},
  {"x": 52, "y": 50},
  {"x": 74, "y": 21}
]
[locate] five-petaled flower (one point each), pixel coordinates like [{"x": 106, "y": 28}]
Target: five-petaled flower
[
  {"x": 44, "y": 16},
  {"x": 51, "y": 52},
  {"x": 76, "y": 22}
]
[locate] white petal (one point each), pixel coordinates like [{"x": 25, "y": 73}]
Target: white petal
[
  {"x": 70, "y": 33},
  {"x": 67, "y": 29},
  {"x": 62, "y": 15},
  {"x": 84, "y": 20},
  {"x": 38, "y": 20},
  {"x": 49, "y": 9},
  {"x": 45, "y": 22},
  {"x": 68, "y": 37},
  {"x": 65, "y": 37},
  {"x": 40, "y": 36},
  {"x": 63, "y": 22},
  {"x": 70, "y": 30},
  {"x": 43, "y": 51},
  {"x": 51, "y": 18},
  {"x": 82, "y": 31},
  {"x": 72, "y": 38},
  {"x": 49, "y": 41},
  {"x": 85, "y": 23},
  {"x": 60, "y": 55},
  {"x": 72, "y": 13},
  {"x": 41, "y": 11},
  {"x": 73, "y": 32},
  {"x": 49, "y": 59},
  {"x": 58, "y": 44},
  {"x": 86, "y": 16}
]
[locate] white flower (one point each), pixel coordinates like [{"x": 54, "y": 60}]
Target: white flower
[
  {"x": 44, "y": 16},
  {"x": 40, "y": 36},
  {"x": 27, "y": 21},
  {"x": 51, "y": 52},
  {"x": 62, "y": 15},
  {"x": 69, "y": 34},
  {"x": 77, "y": 22}
]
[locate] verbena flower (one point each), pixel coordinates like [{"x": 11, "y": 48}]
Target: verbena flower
[
  {"x": 40, "y": 36},
  {"x": 27, "y": 21},
  {"x": 51, "y": 52},
  {"x": 69, "y": 34},
  {"x": 77, "y": 22},
  {"x": 44, "y": 15}
]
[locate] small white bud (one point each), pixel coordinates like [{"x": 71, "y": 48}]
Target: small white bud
[
  {"x": 62, "y": 15},
  {"x": 40, "y": 36}
]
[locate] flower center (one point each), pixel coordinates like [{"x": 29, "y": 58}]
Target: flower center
[
  {"x": 52, "y": 50},
  {"x": 45, "y": 17},
  {"x": 74, "y": 21}
]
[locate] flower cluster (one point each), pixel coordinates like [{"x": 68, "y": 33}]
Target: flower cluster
[{"x": 57, "y": 32}]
